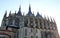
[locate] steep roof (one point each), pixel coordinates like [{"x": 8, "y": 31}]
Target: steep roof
[
  {"x": 29, "y": 12},
  {"x": 38, "y": 15},
  {"x": 19, "y": 12}
]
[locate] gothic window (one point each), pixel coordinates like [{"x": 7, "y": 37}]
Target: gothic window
[
  {"x": 4, "y": 23},
  {"x": 36, "y": 22},
  {"x": 36, "y": 36},
  {"x": 31, "y": 36},
  {"x": 17, "y": 22},
  {"x": 25, "y": 37},
  {"x": 31, "y": 30},
  {"x": 36, "y": 30},
  {"x": 48, "y": 24},
  {"x": 25, "y": 32},
  {"x": 2, "y": 37},
  {"x": 48, "y": 35},
  {"x": 11, "y": 22},
  {"x": 26, "y": 22},
  {"x": 31, "y": 22},
  {"x": 51, "y": 25},
  {"x": 40, "y": 25},
  {"x": 44, "y": 25},
  {"x": 51, "y": 35},
  {"x": 55, "y": 26},
  {"x": 43, "y": 34}
]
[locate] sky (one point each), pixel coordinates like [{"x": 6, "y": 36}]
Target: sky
[{"x": 50, "y": 8}]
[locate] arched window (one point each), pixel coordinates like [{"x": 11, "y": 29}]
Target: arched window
[
  {"x": 36, "y": 36},
  {"x": 31, "y": 36},
  {"x": 25, "y": 22},
  {"x": 25, "y": 32},
  {"x": 10, "y": 22},
  {"x": 4, "y": 23},
  {"x": 17, "y": 22}
]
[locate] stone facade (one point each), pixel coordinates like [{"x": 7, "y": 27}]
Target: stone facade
[{"x": 28, "y": 26}]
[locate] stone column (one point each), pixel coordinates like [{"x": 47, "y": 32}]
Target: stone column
[
  {"x": 28, "y": 22},
  {"x": 48, "y": 34},
  {"x": 34, "y": 32},
  {"x": 34, "y": 28},
  {"x": 46, "y": 25},
  {"x": 39, "y": 23},
  {"x": 42, "y": 22}
]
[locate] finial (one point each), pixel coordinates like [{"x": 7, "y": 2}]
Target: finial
[
  {"x": 29, "y": 8},
  {"x": 29, "y": 12},
  {"x": 44, "y": 17},
  {"x": 54, "y": 20},
  {"x": 15, "y": 12},
  {"x": 10, "y": 13},
  {"x": 38, "y": 15},
  {"x": 19, "y": 12},
  {"x": 48, "y": 18},
  {"x": 5, "y": 14},
  {"x": 51, "y": 20},
  {"x": 6, "y": 11},
  {"x": 19, "y": 8},
  {"x": 33, "y": 12}
]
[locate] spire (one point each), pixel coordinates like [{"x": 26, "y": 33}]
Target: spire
[
  {"x": 48, "y": 19},
  {"x": 5, "y": 14},
  {"x": 15, "y": 12},
  {"x": 10, "y": 13},
  {"x": 4, "y": 21},
  {"x": 45, "y": 17},
  {"x": 38, "y": 15},
  {"x": 54, "y": 20},
  {"x": 29, "y": 8},
  {"x": 19, "y": 12},
  {"x": 29, "y": 12},
  {"x": 51, "y": 20}
]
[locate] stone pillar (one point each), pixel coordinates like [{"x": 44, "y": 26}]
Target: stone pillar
[
  {"x": 34, "y": 28},
  {"x": 34, "y": 33},
  {"x": 56, "y": 34},
  {"x": 43, "y": 35},
  {"x": 48, "y": 34},
  {"x": 21, "y": 22},
  {"x": 39, "y": 23},
  {"x": 51, "y": 35},
  {"x": 28, "y": 22},
  {"x": 46, "y": 25},
  {"x": 42, "y": 23},
  {"x": 34, "y": 25}
]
